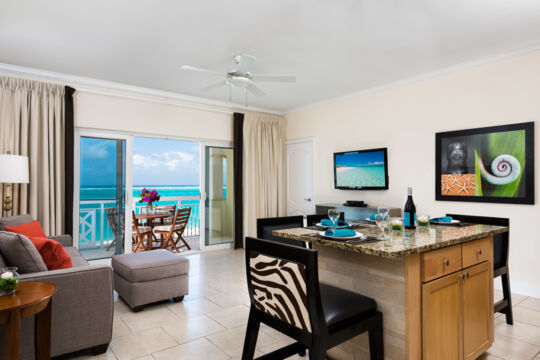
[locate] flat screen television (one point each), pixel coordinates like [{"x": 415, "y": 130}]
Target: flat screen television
[{"x": 361, "y": 170}]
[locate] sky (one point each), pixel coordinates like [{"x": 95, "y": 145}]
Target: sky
[
  {"x": 155, "y": 162},
  {"x": 361, "y": 159}
]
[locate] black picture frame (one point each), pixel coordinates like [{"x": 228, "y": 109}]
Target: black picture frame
[
  {"x": 386, "y": 178},
  {"x": 526, "y": 190}
]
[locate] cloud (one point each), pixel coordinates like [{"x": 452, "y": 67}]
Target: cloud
[
  {"x": 171, "y": 160},
  {"x": 98, "y": 149}
]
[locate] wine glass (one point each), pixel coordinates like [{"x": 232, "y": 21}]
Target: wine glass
[
  {"x": 333, "y": 215},
  {"x": 381, "y": 219}
]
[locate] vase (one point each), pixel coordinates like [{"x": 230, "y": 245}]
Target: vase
[
  {"x": 149, "y": 208},
  {"x": 9, "y": 280}
]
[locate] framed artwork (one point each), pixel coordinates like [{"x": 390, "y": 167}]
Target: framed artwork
[{"x": 492, "y": 164}]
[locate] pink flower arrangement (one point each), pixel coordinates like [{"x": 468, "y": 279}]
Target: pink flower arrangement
[{"x": 149, "y": 196}]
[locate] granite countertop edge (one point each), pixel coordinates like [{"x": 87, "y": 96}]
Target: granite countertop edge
[{"x": 389, "y": 254}]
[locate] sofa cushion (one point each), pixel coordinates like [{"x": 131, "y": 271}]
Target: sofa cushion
[
  {"x": 52, "y": 253},
  {"x": 76, "y": 258},
  {"x": 15, "y": 220},
  {"x": 151, "y": 265},
  {"x": 20, "y": 252},
  {"x": 33, "y": 228}
]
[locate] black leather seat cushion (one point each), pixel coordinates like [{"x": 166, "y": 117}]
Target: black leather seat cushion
[{"x": 340, "y": 305}]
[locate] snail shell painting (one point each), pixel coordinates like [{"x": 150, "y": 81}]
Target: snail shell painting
[
  {"x": 505, "y": 168},
  {"x": 492, "y": 164}
]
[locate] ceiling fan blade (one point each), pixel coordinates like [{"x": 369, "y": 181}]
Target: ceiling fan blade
[
  {"x": 213, "y": 86},
  {"x": 195, "y": 68},
  {"x": 255, "y": 90},
  {"x": 275, "y": 78},
  {"x": 244, "y": 63}
]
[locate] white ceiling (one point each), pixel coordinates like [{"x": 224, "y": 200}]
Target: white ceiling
[{"x": 334, "y": 47}]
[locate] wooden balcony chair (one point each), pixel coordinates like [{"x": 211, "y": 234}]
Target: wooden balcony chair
[
  {"x": 500, "y": 260},
  {"x": 139, "y": 234},
  {"x": 176, "y": 227},
  {"x": 111, "y": 218},
  {"x": 285, "y": 294},
  {"x": 166, "y": 209}
]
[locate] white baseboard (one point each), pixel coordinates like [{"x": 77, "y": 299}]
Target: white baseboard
[{"x": 521, "y": 288}]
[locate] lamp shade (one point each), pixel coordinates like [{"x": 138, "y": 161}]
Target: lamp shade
[{"x": 13, "y": 168}]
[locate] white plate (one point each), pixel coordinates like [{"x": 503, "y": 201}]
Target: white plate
[
  {"x": 357, "y": 236},
  {"x": 454, "y": 221},
  {"x": 329, "y": 227},
  {"x": 368, "y": 219}
]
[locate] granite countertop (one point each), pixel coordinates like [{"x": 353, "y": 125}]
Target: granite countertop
[{"x": 399, "y": 243}]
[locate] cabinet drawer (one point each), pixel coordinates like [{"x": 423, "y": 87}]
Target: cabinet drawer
[
  {"x": 475, "y": 252},
  {"x": 441, "y": 262}
]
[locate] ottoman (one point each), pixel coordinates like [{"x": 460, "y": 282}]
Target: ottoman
[{"x": 146, "y": 277}]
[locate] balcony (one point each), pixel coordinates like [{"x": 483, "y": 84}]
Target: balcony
[{"x": 96, "y": 236}]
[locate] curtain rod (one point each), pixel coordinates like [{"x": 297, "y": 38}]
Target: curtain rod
[{"x": 156, "y": 101}]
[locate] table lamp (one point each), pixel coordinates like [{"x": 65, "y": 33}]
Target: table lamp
[{"x": 13, "y": 169}]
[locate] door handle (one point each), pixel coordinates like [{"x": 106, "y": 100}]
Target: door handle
[{"x": 308, "y": 199}]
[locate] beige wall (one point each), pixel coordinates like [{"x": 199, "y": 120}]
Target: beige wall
[
  {"x": 119, "y": 114},
  {"x": 405, "y": 119}
]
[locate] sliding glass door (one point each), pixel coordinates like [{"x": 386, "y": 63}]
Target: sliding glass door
[
  {"x": 219, "y": 199},
  {"x": 100, "y": 224}
]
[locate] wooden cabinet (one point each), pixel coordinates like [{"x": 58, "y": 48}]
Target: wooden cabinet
[
  {"x": 477, "y": 310},
  {"x": 441, "y": 318},
  {"x": 457, "y": 308}
]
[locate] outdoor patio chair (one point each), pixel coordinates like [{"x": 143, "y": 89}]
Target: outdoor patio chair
[
  {"x": 139, "y": 234},
  {"x": 166, "y": 209},
  {"x": 111, "y": 218},
  {"x": 177, "y": 228}
]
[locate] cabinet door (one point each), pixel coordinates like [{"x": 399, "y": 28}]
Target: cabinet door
[
  {"x": 441, "y": 319},
  {"x": 477, "y": 310}
]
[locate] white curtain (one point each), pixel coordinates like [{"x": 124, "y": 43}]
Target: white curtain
[
  {"x": 264, "y": 168},
  {"x": 32, "y": 123}
]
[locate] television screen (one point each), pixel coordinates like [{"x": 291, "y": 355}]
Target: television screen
[{"x": 363, "y": 169}]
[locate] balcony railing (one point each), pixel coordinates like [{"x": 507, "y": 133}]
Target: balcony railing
[{"x": 95, "y": 231}]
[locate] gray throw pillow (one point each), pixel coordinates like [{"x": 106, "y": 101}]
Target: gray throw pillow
[{"x": 17, "y": 250}]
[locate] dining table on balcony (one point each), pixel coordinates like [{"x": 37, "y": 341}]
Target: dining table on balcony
[{"x": 151, "y": 220}]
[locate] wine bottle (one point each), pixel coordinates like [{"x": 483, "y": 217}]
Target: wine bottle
[{"x": 409, "y": 213}]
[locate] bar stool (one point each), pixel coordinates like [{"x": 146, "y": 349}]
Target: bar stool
[
  {"x": 500, "y": 260},
  {"x": 265, "y": 226},
  {"x": 285, "y": 294}
]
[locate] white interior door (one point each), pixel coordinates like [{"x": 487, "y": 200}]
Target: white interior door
[{"x": 300, "y": 177}]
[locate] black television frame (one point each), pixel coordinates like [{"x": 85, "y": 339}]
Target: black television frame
[{"x": 384, "y": 150}]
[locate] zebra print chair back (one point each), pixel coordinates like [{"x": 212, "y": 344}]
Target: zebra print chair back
[{"x": 283, "y": 282}]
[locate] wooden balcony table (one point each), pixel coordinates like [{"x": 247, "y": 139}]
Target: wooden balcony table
[
  {"x": 29, "y": 299},
  {"x": 153, "y": 220}
]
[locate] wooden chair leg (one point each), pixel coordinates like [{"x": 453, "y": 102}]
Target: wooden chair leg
[
  {"x": 252, "y": 332},
  {"x": 507, "y": 295},
  {"x": 376, "y": 344},
  {"x": 180, "y": 238},
  {"x": 317, "y": 350}
]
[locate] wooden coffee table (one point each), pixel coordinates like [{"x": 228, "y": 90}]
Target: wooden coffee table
[{"x": 30, "y": 298}]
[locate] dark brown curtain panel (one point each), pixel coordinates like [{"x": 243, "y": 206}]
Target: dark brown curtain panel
[
  {"x": 68, "y": 159},
  {"x": 238, "y": 180}
]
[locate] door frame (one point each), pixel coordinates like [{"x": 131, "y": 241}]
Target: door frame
[
  {"x": 128, "y": 205},
  {"x": 202, "y": 214},
  {"x": 299, "y": 141}
]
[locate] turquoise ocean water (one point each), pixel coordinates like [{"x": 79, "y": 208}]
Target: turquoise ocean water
[{"x": 360, "y": 175}]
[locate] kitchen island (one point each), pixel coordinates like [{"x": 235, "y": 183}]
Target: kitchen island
[{"x": 434, "y": 286}]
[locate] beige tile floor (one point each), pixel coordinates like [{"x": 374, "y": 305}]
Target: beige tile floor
[{"x": 210, "y": 323}]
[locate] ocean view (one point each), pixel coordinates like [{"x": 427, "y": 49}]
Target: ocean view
[
  {"x": 366, "y": 175},
  {"x": 109, "y": 192}
]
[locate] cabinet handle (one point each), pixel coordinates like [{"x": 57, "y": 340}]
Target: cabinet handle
[
  {"x": 462, "y": 276},
  {"x": 479, "y": 251},
  {"x": 467, "y": 275},
  {"x": 446, "y": 262}
]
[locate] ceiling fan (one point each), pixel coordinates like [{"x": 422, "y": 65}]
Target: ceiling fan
[{"x": 240, "y": 76}]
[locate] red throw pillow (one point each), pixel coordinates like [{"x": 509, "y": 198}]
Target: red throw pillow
[
  {"x": 29, "y": 229},
  {"x": 53, "y": 253}
]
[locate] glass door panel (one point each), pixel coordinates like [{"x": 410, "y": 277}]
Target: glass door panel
[
  {"x": 219, "y": 202},
  {"x": 101, "y": 197}
]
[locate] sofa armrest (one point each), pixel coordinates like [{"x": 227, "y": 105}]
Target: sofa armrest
[
  {"x": 65, "y": 240},
  {"x": 82, "y": 307}
]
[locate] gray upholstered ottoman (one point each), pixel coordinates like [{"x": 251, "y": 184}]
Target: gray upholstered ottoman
[{"x": 146, "y": 277}]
